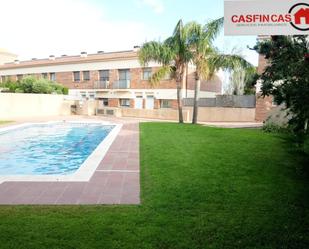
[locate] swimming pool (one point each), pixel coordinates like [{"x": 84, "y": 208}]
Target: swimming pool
[{"x": 53, "y": 149}]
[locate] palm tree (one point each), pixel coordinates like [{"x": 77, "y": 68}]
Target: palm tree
[
  {"x": 206, "y": 58},
  {"x": 173, "y": 55}
]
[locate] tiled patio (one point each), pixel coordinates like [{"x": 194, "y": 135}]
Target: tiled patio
[{"x": 115, "y": 181}]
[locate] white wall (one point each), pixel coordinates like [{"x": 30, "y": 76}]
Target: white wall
[{"x": 19, "y": 105}]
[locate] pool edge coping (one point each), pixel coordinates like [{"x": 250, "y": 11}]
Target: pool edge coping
[{"x": 84, "y": 172}]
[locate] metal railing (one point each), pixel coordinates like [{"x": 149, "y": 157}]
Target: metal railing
[
  {"x": 101, "y": 84},
  {"x": 121, "y": 84}
]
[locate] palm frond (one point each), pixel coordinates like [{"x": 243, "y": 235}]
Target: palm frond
[
  {"x": 205, "y": 70},
  {"x": 213, "y": 28},
  {"x": 157, "y": 76},
  {"x": 229, "y": 61},
  {"x": 155, "y": 51}
]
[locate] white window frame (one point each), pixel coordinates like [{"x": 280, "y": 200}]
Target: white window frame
[
  {"x": 168, "y": 101},
  {"x": 75, "y": 79},
  {"x": 146, "y": 72},
  {"x": 125, "y": 100},
  {"x": 85, "y": 78}
]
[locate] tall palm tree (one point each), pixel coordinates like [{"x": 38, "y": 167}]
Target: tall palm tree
[
  {"x": 206, "y": 58},
  {"x": 173, "y": 55}
]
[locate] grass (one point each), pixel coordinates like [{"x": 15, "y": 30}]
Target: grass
[
  {"x": 201, "y": 188},
  {"x": 2, "y": 122}
]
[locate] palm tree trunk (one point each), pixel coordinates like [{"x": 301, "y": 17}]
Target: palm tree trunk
[
  {"x": 196, "y": 99},
  {"x": 179, "y": 102}
]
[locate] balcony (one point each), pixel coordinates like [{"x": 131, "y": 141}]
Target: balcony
[
  {"x": 121, "y": 84},
  {"x": 101, "y": 84}
]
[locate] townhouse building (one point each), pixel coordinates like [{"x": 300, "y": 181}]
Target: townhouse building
[{"x": 115, "y": 79}]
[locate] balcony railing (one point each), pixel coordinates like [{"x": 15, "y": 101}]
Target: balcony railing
[
  {"x": 121, "y": 84},
  {"x": 101, "y": 84}
]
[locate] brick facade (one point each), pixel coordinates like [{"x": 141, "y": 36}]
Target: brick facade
[
  {"x": 113, "y": 102},
  {"x": 212, "y": 85},
  {"x": 263, "y": 107},
  {"x": 174, "y": 104},
  {"x": 156, "y": 104},
  {"x": 263, "y": 104},
  {"x": 136, "y": 82},
  {"x": 139, "y": 87},
  {"x": 132, "y": 103},
  {"x": 262, "y": 64}
]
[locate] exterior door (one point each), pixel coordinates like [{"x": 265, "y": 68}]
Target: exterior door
[
  {"x": 138, "y": 103},
  {"x": 149, "y": 102}
]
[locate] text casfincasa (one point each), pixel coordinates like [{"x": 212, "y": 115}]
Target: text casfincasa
[{"x": 253, "y": 18}]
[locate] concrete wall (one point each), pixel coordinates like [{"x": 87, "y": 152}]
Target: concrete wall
[
  {"x": 165, "y": 114},
  {"x": 19, "y": 105},
  {"x": 205, "y": 114},
  {"x": 224, "y": 114},
  {"x": 86, "y": 107}
]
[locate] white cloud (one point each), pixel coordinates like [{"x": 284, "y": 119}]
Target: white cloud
[
  {"x": 156, "y": 5},
  {"x": 36, "y": 28}
]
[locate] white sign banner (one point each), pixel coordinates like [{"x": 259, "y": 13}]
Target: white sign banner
[{"x": 266, "y": 17}]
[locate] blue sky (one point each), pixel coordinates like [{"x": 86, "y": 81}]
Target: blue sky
[{"x": 74, "y": 26}]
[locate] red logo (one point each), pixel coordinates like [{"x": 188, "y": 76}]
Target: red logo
[
  {"x": 300, "y": 12},
  {"x": 297, "y": 16}
]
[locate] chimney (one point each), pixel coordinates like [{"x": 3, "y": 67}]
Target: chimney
[
  {"x": 16, "y": 61},
  {"x": 83, "y": 54},
  {"x": 51, "y": 57},
  {"x": 136, "y": 48}
]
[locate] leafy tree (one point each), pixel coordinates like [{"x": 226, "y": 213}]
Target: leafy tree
[
  {"x": 32, "y": 84},
  {"x": 250, "y": 80},
  {"x": 286, "y": 77},
  {"x": 206, "y": 57},
  {"x": 173, "y": 55}
]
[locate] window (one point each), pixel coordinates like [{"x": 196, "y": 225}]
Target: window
[
  {"x": 86, "y": 75},
  {"x": 166, "y": 103},
  {"x": 19, "y": 77},
  {"x": 146, "y": 73},
  {"x": 76, "y": 76},
  {"x": 124, "y": 74},
  {"x": 44, "y": 75},
  {"x": 52, "y": 76},
  {"x": 83, "y": 95},
  {"x": 104, "y": 75},
  {"x": 91, "y": 95},
  {"x": 125, "y": 102},
  {"x": 105, "y": 102}
]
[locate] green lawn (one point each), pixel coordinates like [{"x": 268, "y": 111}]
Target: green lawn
[
  {"x": 201, "y": 188},
  {"x": 4, "y": 122}
]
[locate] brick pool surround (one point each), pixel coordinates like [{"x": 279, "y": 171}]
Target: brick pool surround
[{"x": 115, "y": 180}]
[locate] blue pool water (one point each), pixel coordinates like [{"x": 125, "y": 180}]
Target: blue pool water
[{"x": 49, "y": 149}]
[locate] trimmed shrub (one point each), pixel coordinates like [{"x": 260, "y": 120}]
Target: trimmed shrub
[
  {"x": 18, "y": 90},
  {"x": 41, "y": 86},
  {"x": 274, "y": 128},
  {"x": 31, "y": 84}
]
